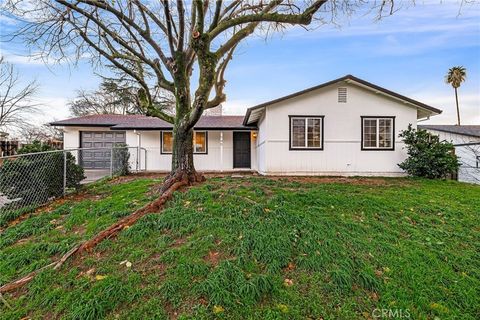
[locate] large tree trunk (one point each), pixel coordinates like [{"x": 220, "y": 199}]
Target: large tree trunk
[
  {"x": 182, "y": 155},
  {"x": 183, "y": 168}
]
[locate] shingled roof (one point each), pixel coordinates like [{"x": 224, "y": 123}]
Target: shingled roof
[
  {"x": 466, "y": 130},
  {"x": 141, "y": 122}
]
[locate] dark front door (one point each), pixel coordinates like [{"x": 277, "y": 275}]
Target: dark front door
[{"x": 241, "y": 149}]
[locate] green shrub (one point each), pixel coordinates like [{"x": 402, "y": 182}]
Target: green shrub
[
  {"x": 121, "y": 160},
  {"x": 35, "y": 178},
  {"x": 34, "y": 147},
  {"x": 428, "y": 157}
]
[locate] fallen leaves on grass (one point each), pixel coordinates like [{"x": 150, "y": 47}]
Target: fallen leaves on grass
[
  {"x": 218, "y": 309},
  {"x": 127, "y": 263},
  {"x": 288, "y": 282}
]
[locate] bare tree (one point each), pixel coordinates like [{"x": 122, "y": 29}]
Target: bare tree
[
  {"x": 159, "y": 44},
  {"x": 108, "y": 99},
  {"x": 16, "y": 99},
  {"x": 43, "y": 133}
]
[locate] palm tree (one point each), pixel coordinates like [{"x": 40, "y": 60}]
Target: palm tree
[{"x": 455, "y": 77}]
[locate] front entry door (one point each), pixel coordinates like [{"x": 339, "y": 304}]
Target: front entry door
[{"x": 241, "y": 150}]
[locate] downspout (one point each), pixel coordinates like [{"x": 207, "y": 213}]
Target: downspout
[
  {"x": 139, "y": 141},
  {"x": 221, "y": 151}
]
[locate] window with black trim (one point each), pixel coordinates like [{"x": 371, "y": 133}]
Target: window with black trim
[
  {"x": 167, "y": 141},
  {"x": 199, "y": 142},
  {"x": 306, "y": 132},
  {"x": 478, "y": 161},
  {"x": 378, "y": 133}
]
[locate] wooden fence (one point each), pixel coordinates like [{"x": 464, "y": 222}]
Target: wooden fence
[{"x": 8, "y": 148}]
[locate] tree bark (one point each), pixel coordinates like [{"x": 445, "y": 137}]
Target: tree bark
[
  {"x": 182, "y": 155},
  {"x": 458, "y": 109}
]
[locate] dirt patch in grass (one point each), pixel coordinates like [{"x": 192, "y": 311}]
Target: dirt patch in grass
[
  {"x": 213, "y": 257},
  {"x": 135, "y": 176}
]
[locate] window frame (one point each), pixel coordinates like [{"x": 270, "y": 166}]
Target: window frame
[
  {"x": 363, "y": 148},
  {"x": 477, "y": 161},
  {"x": 306, "y": 117},
  {"x": 206, "y": 142},
  {"x": 194, "y": 133}
]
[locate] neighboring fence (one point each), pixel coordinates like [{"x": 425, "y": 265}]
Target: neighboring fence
[
  {"x": 469, "y": 154},
  {"x": 8, "y": 148},
  {"x": 30, "y": 180}
]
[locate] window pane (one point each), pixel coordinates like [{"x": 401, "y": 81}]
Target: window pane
[
  {"x": 167, "y": 142},
  {"x": 200, "y": 143},
  {"x": 313, "y": 133},
  {"x": 385, "y": 133},
  {"x": 298, "y": 133},
  {"x": 370, "y": 133}
]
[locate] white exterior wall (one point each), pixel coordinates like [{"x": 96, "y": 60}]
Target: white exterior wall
[
  {"x": 468, "y": 171},
  {"x": 261, "y": 146},
  {"x": 214, "y": 160},
  {"x": 342, "y": 154}
]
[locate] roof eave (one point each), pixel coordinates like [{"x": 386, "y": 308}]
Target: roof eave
[
  {"x": 58, "y": 124},
  {"x": 347, "y": 78}
]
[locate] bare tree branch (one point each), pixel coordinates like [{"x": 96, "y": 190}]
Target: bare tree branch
[{"x": 16, "y": 99}]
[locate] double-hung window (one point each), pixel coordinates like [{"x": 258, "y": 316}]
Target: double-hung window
[
  {"x": 306, "y": 132},
  {"x": 378, "y": 133},
  {"x": 199, "y": 142}
]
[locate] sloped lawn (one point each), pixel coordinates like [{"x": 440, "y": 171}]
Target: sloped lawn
[{"x": 257, "y": 248}]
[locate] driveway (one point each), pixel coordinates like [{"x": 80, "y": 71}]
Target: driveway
[{"x": 95, "y": 174}]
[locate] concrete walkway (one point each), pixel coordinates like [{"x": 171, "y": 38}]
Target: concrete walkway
[{"x": 95, "y": 174}]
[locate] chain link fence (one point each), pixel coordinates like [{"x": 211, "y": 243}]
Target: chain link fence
[{"x": 30, "y": 180}]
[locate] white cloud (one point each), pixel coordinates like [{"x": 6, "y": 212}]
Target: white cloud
[
  {"x": 237, "y": 107},
  {"x": 426, "y": 18},
  {"x": 469, "y": 105},
  {"x": 52, "y": 108}
]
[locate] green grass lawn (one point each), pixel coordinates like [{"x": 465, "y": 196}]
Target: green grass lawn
[{"x": 256, "y": 248}]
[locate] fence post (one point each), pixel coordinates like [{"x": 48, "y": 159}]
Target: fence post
[
  {"x": 138, "y": 159},
  {"x": 111, "y": 162},
  {"x": 64, "y": 172}
]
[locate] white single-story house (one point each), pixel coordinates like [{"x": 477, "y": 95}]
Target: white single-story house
[
  {"x": 466, "y": 139},
  {"x": 347, "y": 126}
]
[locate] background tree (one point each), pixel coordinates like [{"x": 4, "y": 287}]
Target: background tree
[
  {"x": 16, "y": 98},
  {"x": 182, "y": 48},
  {"x": 115, "y": 97},
  {"x": 455, "y": 77},
  {"x": 43, "y": 133}
]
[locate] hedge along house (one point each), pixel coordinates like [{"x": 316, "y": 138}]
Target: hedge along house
[{"x": 343, "y": 127}]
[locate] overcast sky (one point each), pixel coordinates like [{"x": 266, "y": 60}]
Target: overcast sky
[{"x": 409, "y": 53}]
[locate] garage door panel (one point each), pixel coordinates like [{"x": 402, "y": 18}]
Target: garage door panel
[{"x": 98, "y": 159}]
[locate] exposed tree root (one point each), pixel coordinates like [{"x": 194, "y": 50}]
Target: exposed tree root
[{"x": 172, "y": 183}]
